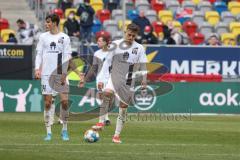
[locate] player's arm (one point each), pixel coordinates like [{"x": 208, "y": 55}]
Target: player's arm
[
  {"x": 38, "y": 60},
  {"x": 143, "y": 67},
  {"x": 93, "y": 69},
  {"x": 66, "y": 56}
]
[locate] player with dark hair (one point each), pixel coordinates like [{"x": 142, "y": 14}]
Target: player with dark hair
[
  {"x": 98, "y": 60},
  {"x": 53, "y": 55},
  {"x": 126, "y": 58}
]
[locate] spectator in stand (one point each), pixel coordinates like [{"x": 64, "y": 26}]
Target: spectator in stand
[
  {"x": 167, "y": 30},
  {"x": 141, "y": 21},
  {"x": 213, "y": 40},
  {"x": 71, "y": 26},
  {"x": 147, "y": 37},
  {"x": 26, "y": 32},
  {"x": 86, "y": 13},
  {"x": 111, "y": 4},
  {"x": 65, "y": 4},
  {"x": 11, "y": 38},
  {"x": 176, "y": 36}
]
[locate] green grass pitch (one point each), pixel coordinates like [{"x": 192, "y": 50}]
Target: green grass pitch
[{"x": 201, "y": 138}]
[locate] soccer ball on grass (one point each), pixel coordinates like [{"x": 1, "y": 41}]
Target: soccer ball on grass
[{"x": 91, "y": 136}]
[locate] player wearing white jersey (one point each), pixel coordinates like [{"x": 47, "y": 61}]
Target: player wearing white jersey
[
  {"x": 53, "y": 55},
  {"x": 127, "y": 58},
  {"x": 98, "y": 60}
]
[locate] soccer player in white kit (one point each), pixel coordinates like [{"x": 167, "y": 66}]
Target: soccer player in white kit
[
  {"x": 53, "y": 54},
  {"x": 127, "y": 58},
  {"x": 98, "y": 60}
]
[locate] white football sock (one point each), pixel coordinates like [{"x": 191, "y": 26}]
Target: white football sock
[
  {"x": 106, "y": 117},
  {"x": 64, "y": 117},
  {"x": 52, "y": 111},
  {"x": 103, "y": 109},
  {"x": 120, "y": 120},
  {"x": 47, "y": 115}
]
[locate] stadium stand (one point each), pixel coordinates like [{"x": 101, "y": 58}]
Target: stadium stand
[
  {"x": 212, "y": 17},
  {"x": 97, "y": 5},
  {"x": 4, "y": 24},
  {"x": 221, "y": 28},
  {"x": 197, "y": 38},
  {"x": 5, "y": 34},
  {"x": 226, "y": 37},
  {"x": 165, "y": 15},
  {"x": 190, "y": 17}
]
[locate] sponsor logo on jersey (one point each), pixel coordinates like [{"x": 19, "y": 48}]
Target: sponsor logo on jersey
[
  {"x": 135, "y": 50},
  {"x": 53, "y": 45},
  {"x": 60, "y": 40}
]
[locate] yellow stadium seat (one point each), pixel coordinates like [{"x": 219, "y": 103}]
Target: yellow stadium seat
[
  {"x": 165, "y": 16},
  {"x": 5, "y": 34},
  {"x": 92, "y": 1},
  {"x": 120, "y": 23},
  {"x": 97, "y": 5},
  {"x": 68, "y": 10},
  {"x": 226, "y": 38},
  {"x": 61, "y": 24},
  {"x": 212, "y": 17},
  {"x": 177, "y": 24},
  {"x": 234, "y": 7},
  {"x": 235, "y": 28},
  {"x": 196, "y": 1}
]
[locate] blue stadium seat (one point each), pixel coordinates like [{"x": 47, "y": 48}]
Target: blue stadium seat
[
  {"x": 97, "y": 26},
  {"x": 220, "y": 7},
  {"x": 132, "y": 14}
]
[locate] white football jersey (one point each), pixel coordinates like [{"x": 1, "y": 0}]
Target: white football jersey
[
  {"x": 98, "y": 59},
  {"x": 52, "y": 51},
  {"x": 121, "y": 57}
]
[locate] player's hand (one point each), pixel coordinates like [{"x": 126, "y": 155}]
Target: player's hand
[
  {"x": 63, "y": 79},
  {"x": 37, "y": 74},
  {"x": 100, "y": 86}
]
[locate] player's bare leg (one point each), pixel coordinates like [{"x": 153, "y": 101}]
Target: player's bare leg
[
  {"x": 107, "y": 121},
  {"x": 52, "y": 110},
  {"x": 60, "y": 116},
  {"x": 121, "y": 119},
  {"x": 106, "y": 101},
  {"x": 64, "y": 115},
  {"x": 106, "y": 117},
  {"x": 47, "y": 116}
]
